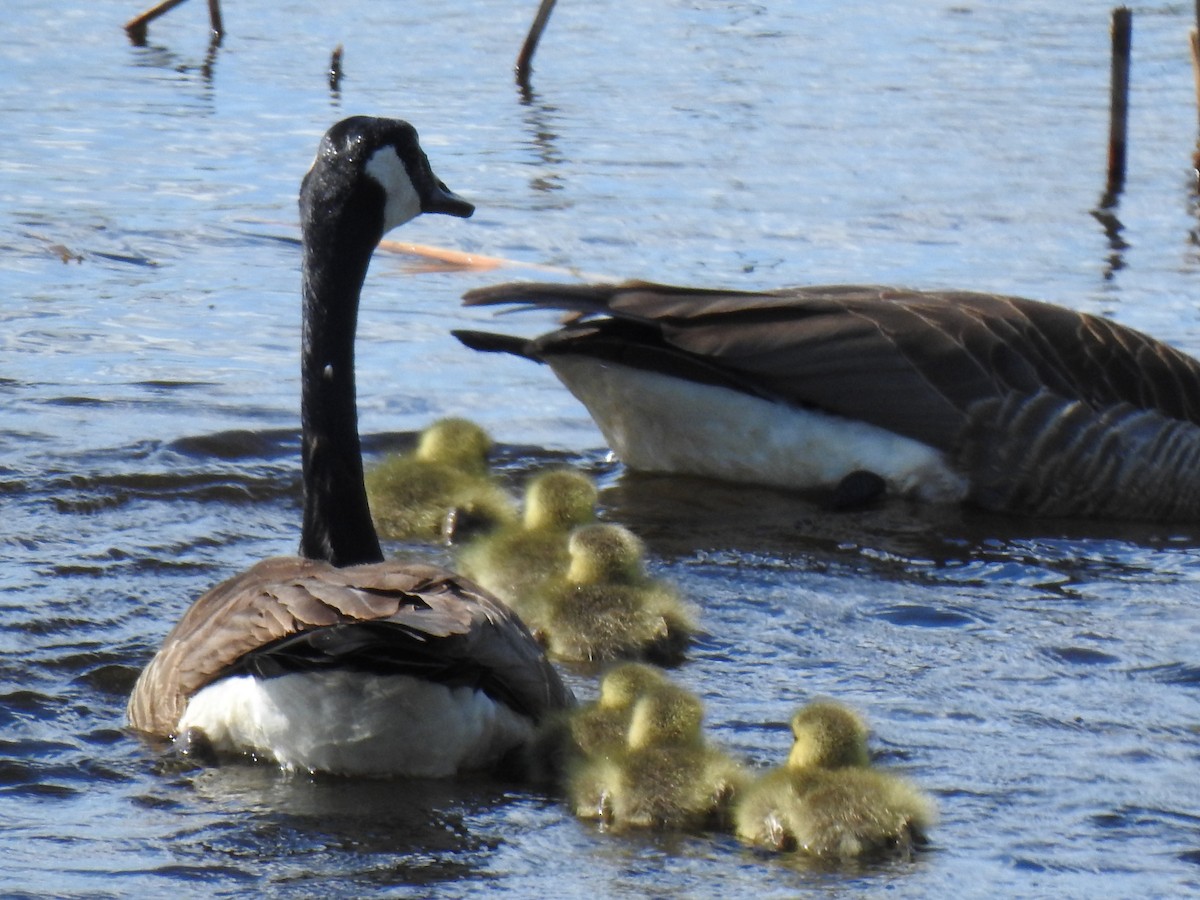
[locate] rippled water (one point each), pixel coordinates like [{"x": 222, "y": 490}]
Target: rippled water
[{"x": 1040, "y": 679}]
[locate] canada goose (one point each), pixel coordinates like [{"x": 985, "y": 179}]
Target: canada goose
[
  {"x": 666, "y": 776},
  {"x": 827, "y": 801},
  {"x": 1009, "y": 404},
  {"x": 605, "y": 607},
  {"x": 438, "y": 488},
  {"x": 337, "y": 661},
  {"x": 513, "y": 559}
]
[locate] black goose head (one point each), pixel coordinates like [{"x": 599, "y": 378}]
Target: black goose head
[
  {"x": 372, "y": 174},
  {"x": 369, "y": 176}
]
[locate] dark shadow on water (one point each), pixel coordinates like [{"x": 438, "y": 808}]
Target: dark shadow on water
[
  {"x": 681, "y": 517},
  {"x": 385, "y": 832}
]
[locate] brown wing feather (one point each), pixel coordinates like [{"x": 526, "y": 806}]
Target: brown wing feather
[{"x": 454, "y": 621}]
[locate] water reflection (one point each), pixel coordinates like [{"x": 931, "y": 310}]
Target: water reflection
[
  {"x": 549, "y": 159},
  {"x": 410, "y": 832},
  {"x": 682, "y": 517},
  {"x": 1117, "y": 246}
]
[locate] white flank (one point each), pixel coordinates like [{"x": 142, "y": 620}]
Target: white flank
[
  {"x": 350, "y": 723},
  {"x": 661, "y": 424}
]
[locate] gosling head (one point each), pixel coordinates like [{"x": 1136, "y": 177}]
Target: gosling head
[
  {"x": 604, "y": 554},
  {"x": 457, "y": 443},
  {"x": 623, "y": 685},
  {"x": 828, "y": 735},
  {"x": 560, "y": 499},
  {"x": 666, "y": 716}
]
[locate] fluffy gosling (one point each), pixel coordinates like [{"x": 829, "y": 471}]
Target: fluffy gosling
[
  {"x": 827, "y": 801},
  {"x": 605, "y": 607},
  {"x": 665, "y": 776},
  {"x": 514, "y": 559},
  {"x": 440, "y": 488}
]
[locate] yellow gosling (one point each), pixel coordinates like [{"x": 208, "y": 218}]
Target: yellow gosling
[
  {"x": 606, "y": 607},
  {"x": 515, "y": 558},
  {"x": 439, "y": 487},
  {"x": 600, "y": 726},
  {"x": 827, "y": 802},
  {"x": 829, "y": 735},
  {"x": 665, "y": 776}
]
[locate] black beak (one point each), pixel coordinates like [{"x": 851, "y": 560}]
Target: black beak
[{"x": 443, "y": 200}]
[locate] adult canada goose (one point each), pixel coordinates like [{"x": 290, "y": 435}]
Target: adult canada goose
[
  {"x": 440, "y": 487},
  {"x": 1006, "y": 403},
  {"x": 665, "y": 776},
  {"x": 514, "y": 559},
  {"x": 605, "y": 606},
  {"x": 827, "y": 801},
  {"x": 335, "y": 660}
]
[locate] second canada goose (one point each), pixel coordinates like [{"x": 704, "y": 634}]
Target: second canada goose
[
  {"x": 336, "y": 661},
  {"x": 1008, "y": 404}
]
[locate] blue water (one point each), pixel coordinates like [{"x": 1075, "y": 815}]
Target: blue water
[{"x": 1039, "y": 679}]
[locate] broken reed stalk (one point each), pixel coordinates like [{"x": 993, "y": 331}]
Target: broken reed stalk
[
  {"x": 335, "y": 69},
  {"x": 525, "y": 59},
  {"x": 1194, "y": 42},
  {"x": 214, "y": 18},
  {"x": 136, "y": 27},
  {"x": 1122, "y": 42}
]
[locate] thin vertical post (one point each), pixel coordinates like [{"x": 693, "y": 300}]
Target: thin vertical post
[{"x": 1122, "y": 42}]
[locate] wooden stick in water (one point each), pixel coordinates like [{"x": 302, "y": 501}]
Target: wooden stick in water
[
  {"x": 136, "y": 27},
  {"x": 335, "y": 69},
  {"x": 1194, "y": 43},
  {"x": 1122, "y": 41},
  {"x": 456, "y": 259},
  {"x": 214, "y": 18},
  {"x": 1194, "y": 40},
  {"x": 525, "y": 59},
  {"x": 444, "y": 257}
]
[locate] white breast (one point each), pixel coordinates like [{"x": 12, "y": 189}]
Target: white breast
[
  {"x": 661, "y": 424},
  {"x": 350, "y": 723}
]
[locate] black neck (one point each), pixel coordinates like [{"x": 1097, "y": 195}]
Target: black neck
[{"x": 337, "y": 518}]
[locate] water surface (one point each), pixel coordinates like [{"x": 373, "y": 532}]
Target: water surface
[{"x": 1040, "y": 679}]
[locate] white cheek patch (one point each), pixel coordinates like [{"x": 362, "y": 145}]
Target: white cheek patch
[{"x": 403, "y": 202}]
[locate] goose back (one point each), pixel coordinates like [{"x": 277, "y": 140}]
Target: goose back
[{"x": 289, "y": 615}]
